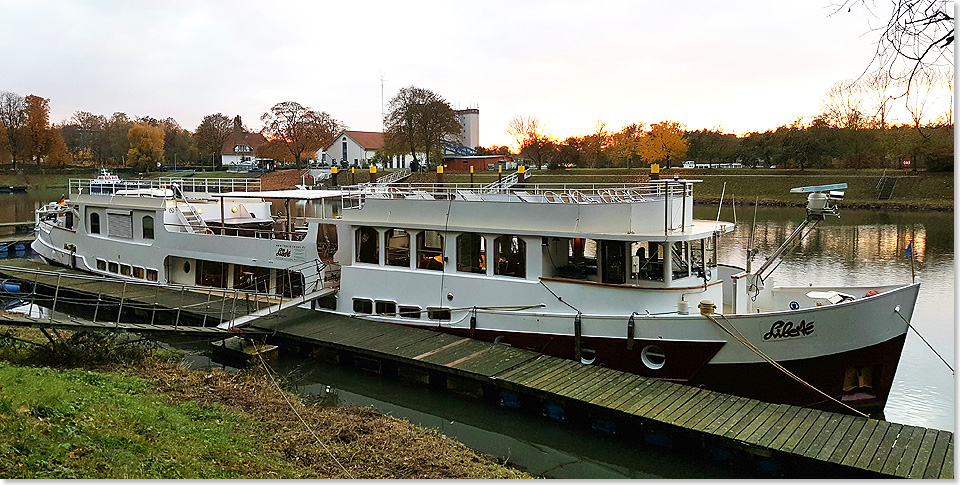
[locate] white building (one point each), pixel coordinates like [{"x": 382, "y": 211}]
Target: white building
[
  {"x": 358, "y": 148},
  {"x": 238, "y": 150}
]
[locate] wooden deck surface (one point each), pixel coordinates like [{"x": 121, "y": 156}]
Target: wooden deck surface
[{"x": 887, "y": 448}]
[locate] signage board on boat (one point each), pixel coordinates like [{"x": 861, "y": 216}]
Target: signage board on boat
[{"x": 291, "y": 252}]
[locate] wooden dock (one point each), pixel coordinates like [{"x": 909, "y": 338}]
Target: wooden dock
[
  {"x": 103, "y": 299},
  {"x": 802, "y": 437}
]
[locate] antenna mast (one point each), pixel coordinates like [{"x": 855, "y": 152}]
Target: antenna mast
[{"x": 383, "y": 115}]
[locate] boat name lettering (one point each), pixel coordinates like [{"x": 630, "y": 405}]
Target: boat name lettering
[
  {"x": 781, "y": 329},
  {"x": 294, "y": 252}
]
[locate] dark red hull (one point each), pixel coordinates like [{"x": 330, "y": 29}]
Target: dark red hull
[{"x": 689, "y": 364}]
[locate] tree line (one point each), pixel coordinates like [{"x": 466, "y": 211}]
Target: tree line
[
  {"x": 293, "y": 133},
  {"x": 853, "y": 131}
]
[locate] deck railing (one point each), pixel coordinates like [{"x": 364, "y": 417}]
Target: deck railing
[
  {"x": 354, "y": 196},
  {"x": 187, "y": 185}
]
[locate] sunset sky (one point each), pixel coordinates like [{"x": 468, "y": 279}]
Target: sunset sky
[{"x": 741, "y": 66}]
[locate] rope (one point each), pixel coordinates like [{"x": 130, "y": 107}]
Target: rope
[
  {"x": 293, "y": 408},
  {"x": 897, "y": 311},
  {"x": 559, "y": 298},
  {"x": 746, "y": 343}
]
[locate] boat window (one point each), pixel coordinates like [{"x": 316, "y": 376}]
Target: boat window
[
  {"x": 94, "y": 223},
  {"x": 138, "y": 272},
  {"x": 680, "y": 260},
  {"x": 386, "y": 308},
  {"x": 698, "y": 249},
  {"x": 114, "y": 267},
  {"x": 430, "y": 250},
  {"x": 102, "y": 265},
  {"x": 147, "y": 227},
  {"x": 471, "y": 253},
  {"x": 253, "y": 278},
  {"x": 614, "y": 261},
  {"x": 410, "y": 312},
  {"x": 126, "y": 270},
  {"x": 152, "y": 275},
  {"x": 649, "y": 256},
  {"x": 368, "y": 245},
  {"x": 211, "y": 273},
  {"x": 511, "y": 255},
  {"x": 581, "y": 258},
  {"x": 434, "y": 313},
  {"x": 653, "y": 357},
  {"x": 362, "y": 305},
  {"x": 398, "y": 248}
]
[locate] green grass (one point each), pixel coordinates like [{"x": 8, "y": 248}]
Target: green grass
[{"x": 82, "y": 424}]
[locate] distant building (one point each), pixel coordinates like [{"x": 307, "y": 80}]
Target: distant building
[
  {"x": 238, "y": 150},
  {"x": 478, "y": 162},
  {"x": 357, "y": 148},
  {"x": 470, "y": 121}
]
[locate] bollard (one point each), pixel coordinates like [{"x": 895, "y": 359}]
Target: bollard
[
  {"x": 333, "y": 175},
  {"x": 439, "y": 174},
  {"x": 373, "y": 173}
]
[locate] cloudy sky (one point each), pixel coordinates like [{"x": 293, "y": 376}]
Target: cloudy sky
[{"x": 738, "y": 65}]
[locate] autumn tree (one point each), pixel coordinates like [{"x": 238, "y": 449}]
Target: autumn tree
[
  {"x": 301, "y": 130},
  {"x": 663, "y": 143},
  {"x": 712, "y": 146},
  {"x": 594, "y": 145},
  {"x": 85, "y": 137},
  {"x": 118, "y": 143},
  {"x": 419, "y": 120},
  {"x": 213, "y": 131},
  {"x": 146, "y": 146},
  {"x": 622, "y": 149},
  {"x": 39, "y": 135},
  {"x": 533, "y": 143},
  {"x": 13, "y": 122}
]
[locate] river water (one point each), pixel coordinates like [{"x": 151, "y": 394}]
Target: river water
[{"x": 860, "y": 248}]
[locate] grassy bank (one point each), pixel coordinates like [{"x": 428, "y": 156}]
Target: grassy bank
[
  {"x": 918, "y": 191},
  {"x": 130, "y": 413}
]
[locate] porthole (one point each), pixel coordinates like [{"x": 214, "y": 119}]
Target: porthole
[
  {"x": 587, "y": 354},
  {"x": 186, "y": 266},
  {"x": 653, "y": 357},
  {"x": 501, "y": 340}
]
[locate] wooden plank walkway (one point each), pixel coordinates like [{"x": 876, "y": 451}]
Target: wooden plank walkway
[
  {"x": 211, "y": 307},
  {"x": 886, "y": 448},
  {"x": 21, "y": 320}
]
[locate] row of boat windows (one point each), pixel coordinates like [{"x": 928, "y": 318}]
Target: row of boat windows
[
  {"x": 390, "y": 308},
  {"x": 121, "y": 225},
  {"x": 127, "y": 270},
  {"x": 509, "y": 252}
]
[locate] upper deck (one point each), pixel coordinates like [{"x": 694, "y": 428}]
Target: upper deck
[
  {"x": 661, "y": 210},
  {"x": 198, "y": 188}
]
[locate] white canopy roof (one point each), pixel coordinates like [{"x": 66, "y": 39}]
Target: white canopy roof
[{"x": 310, "y": 194}]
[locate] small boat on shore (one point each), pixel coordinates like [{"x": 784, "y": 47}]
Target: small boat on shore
[{"x": 615, "y": 276}]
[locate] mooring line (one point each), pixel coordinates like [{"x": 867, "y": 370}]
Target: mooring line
[
  {"x": 266, "y": 368},
  {"x": 746, "y": 343},
  {"x": 897, "y": 311}
]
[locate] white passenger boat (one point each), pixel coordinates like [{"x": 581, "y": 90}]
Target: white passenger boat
[
  {"x": 177, "y": 232},
  {"x": 622, "y": 277}
]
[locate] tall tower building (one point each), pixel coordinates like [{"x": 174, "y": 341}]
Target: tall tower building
[{"x": 470, "y": 121}]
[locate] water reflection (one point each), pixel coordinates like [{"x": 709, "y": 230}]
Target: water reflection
[{"x": 865, "y": 248}]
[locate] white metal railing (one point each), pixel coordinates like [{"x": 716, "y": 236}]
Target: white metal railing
[
  {"x": 187, "y": 185},
  {"x": 390, "y": 177},
  {"x": 353, "y": 196},
  {"x": 500, "y": 185}
]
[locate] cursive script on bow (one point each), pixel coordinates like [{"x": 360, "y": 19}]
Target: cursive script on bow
[{"x": 781, "y": 329}]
